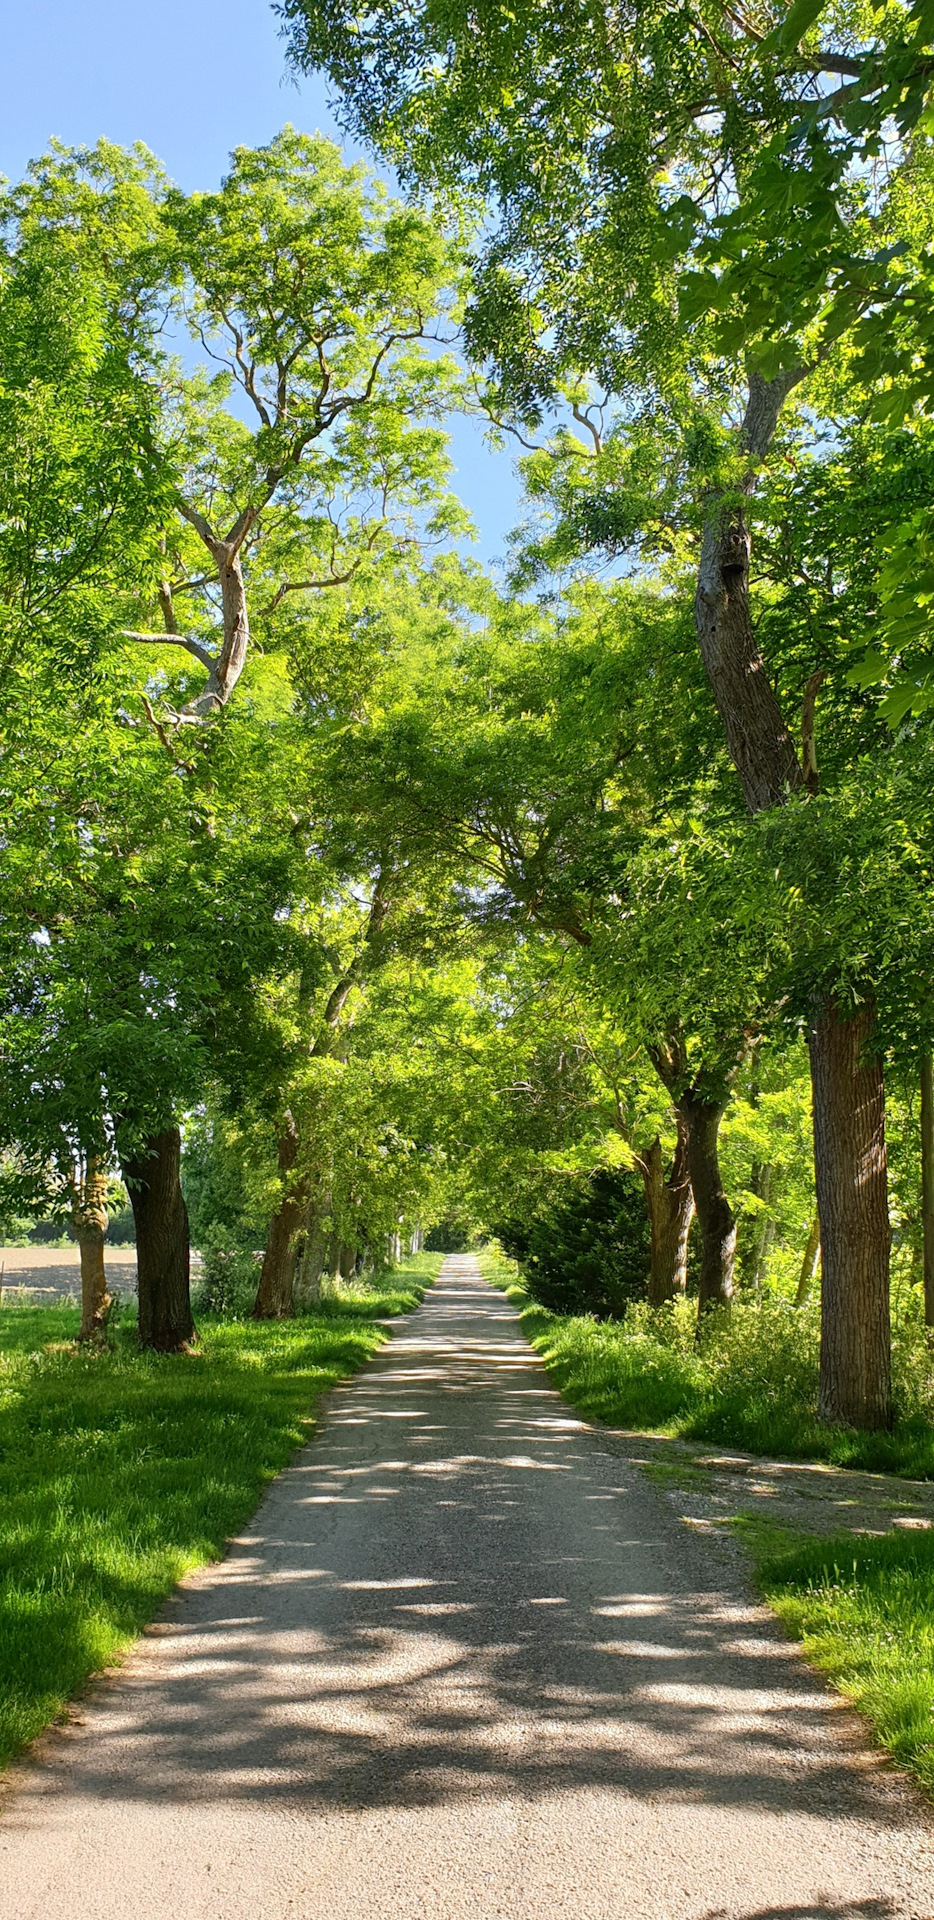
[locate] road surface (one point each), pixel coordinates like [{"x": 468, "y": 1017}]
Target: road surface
[{"x": 465, "y": 1663}]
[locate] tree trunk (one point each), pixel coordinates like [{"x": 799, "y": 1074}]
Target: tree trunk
[
  {"x": 809, "y": 1264},
  {"x": 89, "y": 1219},
  {"x": 347, "y": 1262},
  {"x": 670, "y": 1204},
  {"x": 274, "y": 1299},
  {"x": 714, "y": 1213},
  {"x": 927, "y": 1184},
  {"x": 761, "y": 747},
  {"x": 309, "y": 1267},
  {"x": 852, "y": 1201},
  {"x": 849, "y": 1149},
  {"x": 756, "y": 1238},
  {"x": 162, "y": 1254}
]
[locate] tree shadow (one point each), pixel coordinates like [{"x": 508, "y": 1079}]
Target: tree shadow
[{"x": 458, "y": 1590}]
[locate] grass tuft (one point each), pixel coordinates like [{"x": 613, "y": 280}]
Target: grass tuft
[{"x": 863, "y": 1608}]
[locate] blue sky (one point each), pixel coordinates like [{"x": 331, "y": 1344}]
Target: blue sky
[{"x": 192, "y": 79}]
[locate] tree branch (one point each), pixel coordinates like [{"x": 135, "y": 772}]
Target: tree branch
[{"x": 173, "y": 640}]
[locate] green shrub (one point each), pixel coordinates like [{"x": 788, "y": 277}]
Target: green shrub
[
  {"x": 588, "y": 1250},
  {"x": 228, "y": 1281}
]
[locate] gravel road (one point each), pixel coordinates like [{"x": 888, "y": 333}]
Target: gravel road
[{"x": 465, "y": 1663}]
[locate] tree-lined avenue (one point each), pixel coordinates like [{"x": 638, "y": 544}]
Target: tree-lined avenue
[{"x": 464, "y": 1662}]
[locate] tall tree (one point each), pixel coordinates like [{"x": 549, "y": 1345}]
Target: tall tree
[{"x": 690, "y": 217}]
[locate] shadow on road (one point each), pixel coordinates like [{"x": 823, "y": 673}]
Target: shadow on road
[{"x": 456, "y": 1590}]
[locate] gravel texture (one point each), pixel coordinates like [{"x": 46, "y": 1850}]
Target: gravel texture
[{"x": 466, "y": 1662}]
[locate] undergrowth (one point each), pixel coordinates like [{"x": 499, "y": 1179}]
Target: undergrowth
[
  {"x": 752, "y": 1383},
  {"x": 123, "y": 1471}
]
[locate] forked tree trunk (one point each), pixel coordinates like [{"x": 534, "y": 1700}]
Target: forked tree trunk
[
  {"x": 89, "y": 1219},
  {"x": 670, "y": 1203},
  {"x": 274, "y": 1295},
  {"x": 927, "y": 1184},
  {"x": 714, "y": 1213},
  {"x": 152, "y": 1176},
  {"x": 852, "y": 1201}
]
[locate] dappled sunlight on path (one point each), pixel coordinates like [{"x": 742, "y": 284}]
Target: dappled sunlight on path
[{"x": 464, "y": 1662}]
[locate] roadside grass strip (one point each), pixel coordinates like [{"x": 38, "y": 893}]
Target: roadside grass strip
[
  {"x": 862, "y": 1607},
  {"x": 752, "y": 1384},
  {"x": 121, "y": 1471}
]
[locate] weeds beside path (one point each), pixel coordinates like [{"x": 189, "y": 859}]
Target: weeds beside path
[
  {"x": 844, "y": 1555},
  {"x": 122, "y": 1471}
]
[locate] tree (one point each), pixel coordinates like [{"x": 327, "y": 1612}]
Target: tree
[
  {"x": 321, "y": 301},
  {"x": 691, "y": 219}
]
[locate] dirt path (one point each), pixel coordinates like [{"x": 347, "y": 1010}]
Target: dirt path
[{"x": 466, "y": 1663}]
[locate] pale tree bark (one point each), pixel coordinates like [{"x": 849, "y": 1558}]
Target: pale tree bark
[
  {"x": 670, "y": 1203},
  {"x": 152, "y": 1175},
  {"x": 309, "y": 1266},
  {"x": 810, "y": 1260},
  {"x": 274, "y": 1296},
  {"x": 852, "y": 1201},
  {"x": 89, "y": 1221}
]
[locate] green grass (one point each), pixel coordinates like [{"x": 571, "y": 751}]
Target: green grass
[
  {"x": 123, "y": 1471},
  {"x": 753, "y": 1386},
  {"x": 863, "y": 1609}
]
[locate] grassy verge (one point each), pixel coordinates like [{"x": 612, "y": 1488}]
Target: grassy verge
[
  {"x": 121, "y": 1472},
  {"x": 753, "y": 1385},
  {"x": 863, "y": 1609}
]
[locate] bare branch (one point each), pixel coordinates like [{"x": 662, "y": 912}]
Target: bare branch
[
  {"x": 184, "y": 766},
  {"x": 184, "y": 640},
  {"x": 583, "y": 419},
  {"x": 202, "y": 527}
]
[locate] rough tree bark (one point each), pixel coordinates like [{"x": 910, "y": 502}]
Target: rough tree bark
[
  {"x": 347, "y": 1262},
  {"x": 854, "y": 1234},
  {"x": 852, "y": 1201},
  {"x": 927, "y": 1184},
  {"x": 760, "y": 744},
  {"x": 714, "y": 1213},
  {"x": 89, "y": 1220},
  {"x": 152, "y": 1175},
  {"x": 670, "y": 1203},
  {"x": 700, "y": 1099},
  {"x": 274, "y": 1294}
]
